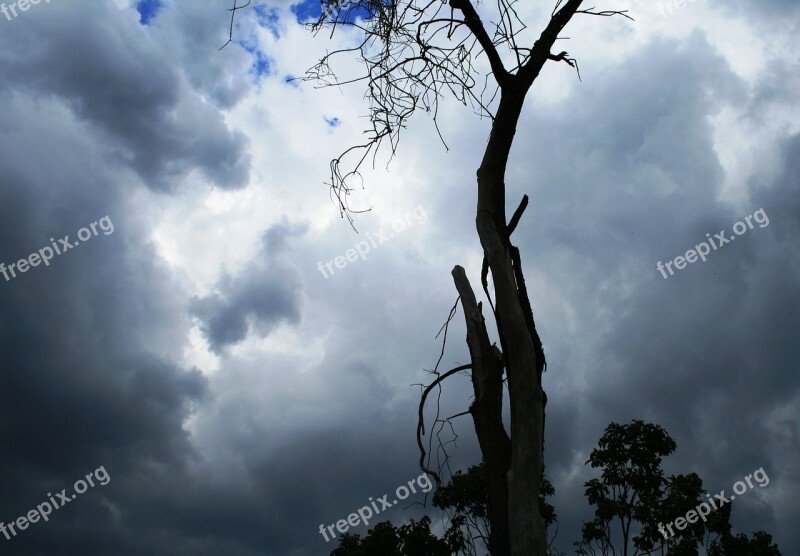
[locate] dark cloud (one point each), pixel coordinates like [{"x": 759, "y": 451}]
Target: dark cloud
[
  {"x": 88, "y": 378},
  {"x": 261, "y": 296},
  {"x": 250, "y": 457},
  {"x": 119, "y": 84},
  {"x": 707, "y": 352}
]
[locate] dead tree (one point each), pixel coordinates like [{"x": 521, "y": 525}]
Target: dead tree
[{"x": 414, "y": 54}]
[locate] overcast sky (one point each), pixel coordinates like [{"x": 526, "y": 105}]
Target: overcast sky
[{"x": 238, "y": 396}]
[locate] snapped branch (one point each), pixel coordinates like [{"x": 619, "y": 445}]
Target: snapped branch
[
  {"x": 512, "y": 224},
  {"x": 564, "y": 57}
]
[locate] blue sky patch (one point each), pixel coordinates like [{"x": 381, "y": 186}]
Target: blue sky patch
[
  {"x": 311, "y": 10},
  {"x": 308, "y": 9},
  {"x": 261, "y": 62},
  {"x": 147, "y": 10},
  {"x": 267, "y": 18},
  {"x": 260, "y": 65}
]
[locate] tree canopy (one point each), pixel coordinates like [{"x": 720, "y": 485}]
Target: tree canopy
[{"x": 632, "y": 499}]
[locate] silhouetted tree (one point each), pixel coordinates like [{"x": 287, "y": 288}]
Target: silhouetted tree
[
  {"x": 465, "y": 499},
  {"x": 414, "y": 53},
  {"x": 633, "y": 500},
  {"x": 739, "y": 545},
  {"x": 412, "y": 539}
]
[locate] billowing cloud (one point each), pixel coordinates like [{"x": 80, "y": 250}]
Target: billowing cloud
[
  {"x": 238, "y": 397},
  {"x": 264, "y": 294}
]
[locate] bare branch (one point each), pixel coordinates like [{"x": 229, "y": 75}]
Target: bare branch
[
  {"x": 437, "y": 420},
  {"x": 421, "y": 422},
  {"x": 233, "y": 11},
  {"x": 467, "y": 412},
  {"x": 512, "y": 224},
  {"x": 606, "y": 13},
  {"x": 563, "y": 56},
  {"x": 473, "y": 21},
  {"x": 540, "y": 52},
  {"x": 414, "y": 53}
]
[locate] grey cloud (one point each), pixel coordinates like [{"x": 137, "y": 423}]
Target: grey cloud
[
  {"x": 263, "y": 295},
  {"x": 194, "y": 32},
  {"x": 706, "y": 352},
  {"x": 120, "y": 83},
  {"x": 772, "y": 9},
  {"x": 87, "y": 343},
  {"x": 252, "y": 458}
]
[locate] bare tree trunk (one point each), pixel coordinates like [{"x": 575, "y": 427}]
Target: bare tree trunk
[
  {"x": 487, "y": 414},
  {"x": 407, "y": 73},
  {"x": 514, "y": 462},
  {"x": 523, "y": 354},
  {"x": 527, "y": 532},
  {"x": 514, "y": 465}
]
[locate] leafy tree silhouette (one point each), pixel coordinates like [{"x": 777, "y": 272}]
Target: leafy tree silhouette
[
  {"x": 632, "y": 499},
  {"x": 465, "y": 499}
]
